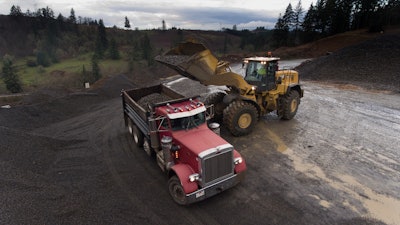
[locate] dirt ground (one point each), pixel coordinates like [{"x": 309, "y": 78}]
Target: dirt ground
[
  {"x": 71, "y": 161},
  {"x": 66, "y": 158}
]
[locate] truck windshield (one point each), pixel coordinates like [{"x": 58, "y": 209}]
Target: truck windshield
[{"x": 186, "y": 123}]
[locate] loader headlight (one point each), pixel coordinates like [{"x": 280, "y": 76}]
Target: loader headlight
[
  {"x": 238, "y": 160},
  {"x": 194, "y": 177}
]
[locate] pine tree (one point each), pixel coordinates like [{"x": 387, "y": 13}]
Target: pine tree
[
  {"x": 127, "y": 24},
  {"x": 297, "y": 17},
  {"x": 15, "y": 11},
  {"x": 72, "y": 18},
  {"x": 9, "y": 75},
  {"x": 101, "y": 31},
  {"x": 95, "y": 68},
  {"x": 147, "y": 49},
  {"x": 113, "y": 51}
]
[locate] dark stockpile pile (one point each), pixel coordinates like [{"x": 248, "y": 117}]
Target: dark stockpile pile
[{"x": 372, "y": 64}]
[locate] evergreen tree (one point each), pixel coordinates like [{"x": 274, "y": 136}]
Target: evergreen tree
[
  {"x": 283, "y": 26},
  {"x": 113, "y": 51},
  {"x": 15, "y": 11},
  {"x": 101, "y": 42},
  {"x": 147, "y": 49},
  {"x": 393, "y": 12},
  {"x": 288, "y": 18},
  {"x": 281, "y": 32},
  {"x": 9, "y": 75},
  {"x": 101, "y": 31},
  {"x": 72, "y": 18},
  {"x": 297, "y": 18},
  {"x": 95, "y": 68},
  {"x": 309, "y": 24},
  {"x": 127, "y": 24}
]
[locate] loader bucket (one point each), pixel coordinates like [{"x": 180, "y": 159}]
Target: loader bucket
[{"x": 192, "y": 60}]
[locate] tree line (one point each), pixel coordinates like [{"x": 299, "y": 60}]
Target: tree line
[
  {"x": 330, "y": 17},
  {"x": 52, "y": 39}
]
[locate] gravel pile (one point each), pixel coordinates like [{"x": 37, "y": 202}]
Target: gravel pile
[
  {"x": 173, "y": 59},
  {"x": 372, "y": 64},
  {"x": 152, "y": 99}
]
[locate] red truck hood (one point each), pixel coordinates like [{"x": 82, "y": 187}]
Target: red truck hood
[{"x": 198, "y": 139}]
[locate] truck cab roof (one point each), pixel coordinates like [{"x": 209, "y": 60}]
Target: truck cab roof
[{"x": 181, "y": 109}]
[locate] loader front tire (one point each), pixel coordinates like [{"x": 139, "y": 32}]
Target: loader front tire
[
  {"x": 240, "y": 117},
  {"x": 289, "y": 105}
]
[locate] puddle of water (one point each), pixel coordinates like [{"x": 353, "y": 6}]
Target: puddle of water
[{"x": 379, "y": 206}]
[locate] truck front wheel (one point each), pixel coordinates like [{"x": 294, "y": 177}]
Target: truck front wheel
[
  {"x": 240, "y": 117},
  {"x": 176, "y": 190},
  {"x": 147, "y": 148}
]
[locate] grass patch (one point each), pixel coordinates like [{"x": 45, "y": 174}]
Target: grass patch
[{"x": 66, "y": 73}]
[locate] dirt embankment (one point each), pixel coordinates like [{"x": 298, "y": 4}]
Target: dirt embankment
[{"x": 372, "y": 64}]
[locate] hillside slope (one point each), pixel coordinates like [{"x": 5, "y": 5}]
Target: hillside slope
[{"x": 371, "y": 64}]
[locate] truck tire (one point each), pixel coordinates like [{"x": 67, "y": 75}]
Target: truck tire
[
  {"x": 216, "y": 99},
  {"x": 240, "y": 117},
  {"x": 137, "y": 136},
  {"x": 147, "y": 147},
  {"x": 289, "y": 105},
  {"x": 176, "y": 190}
]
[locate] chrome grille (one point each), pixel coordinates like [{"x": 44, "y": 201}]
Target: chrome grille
[{"x": 217, "y": 165}]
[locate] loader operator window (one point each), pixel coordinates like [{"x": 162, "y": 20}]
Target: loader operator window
[
  {"x": 255, "y": 71},
  {"x": 186, "y": 123}
]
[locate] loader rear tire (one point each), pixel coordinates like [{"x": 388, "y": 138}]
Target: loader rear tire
[
  {"x": 216, "y": 99},
  {"x": 289, "y": 105},
  {"x": 240, "y": 117}
]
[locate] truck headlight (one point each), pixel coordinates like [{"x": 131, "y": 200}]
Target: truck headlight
[
  {"x": 238, "y": 160},
  {"x": 194, "y": 177}
]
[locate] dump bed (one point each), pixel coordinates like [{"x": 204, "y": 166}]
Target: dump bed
[{"x": 141, "y": 101}]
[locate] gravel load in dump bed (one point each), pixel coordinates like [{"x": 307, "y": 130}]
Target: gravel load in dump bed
[
  {"x": 152, "y": 99},
  {"x": 173, "y": 59}
]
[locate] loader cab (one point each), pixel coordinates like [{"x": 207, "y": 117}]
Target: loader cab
[{"x": 260, "y": 72}]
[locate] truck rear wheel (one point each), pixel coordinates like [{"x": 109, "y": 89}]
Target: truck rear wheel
[
  {"x": 289, "y": 105},
  {"x": 240, "y": 117},
  {"x": 137, "y": 136},
  {"x": 176, "y": 190},
  {"x": 216, "y": 99}
]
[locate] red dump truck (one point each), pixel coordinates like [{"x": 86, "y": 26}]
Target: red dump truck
[{"x": 173, "y": 128}]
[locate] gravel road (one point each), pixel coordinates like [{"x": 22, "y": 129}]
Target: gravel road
[{"x": 71, "y": 161}]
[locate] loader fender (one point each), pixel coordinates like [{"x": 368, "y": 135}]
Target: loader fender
[
  {"x": 297, "y": 88},
  {"x": 183, "y": 171}
]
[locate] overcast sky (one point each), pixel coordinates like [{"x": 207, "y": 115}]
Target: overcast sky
[{"x": 184, "y": 14}]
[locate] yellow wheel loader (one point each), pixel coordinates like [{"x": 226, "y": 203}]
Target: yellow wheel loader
[{"x": 263, "y": 89}]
